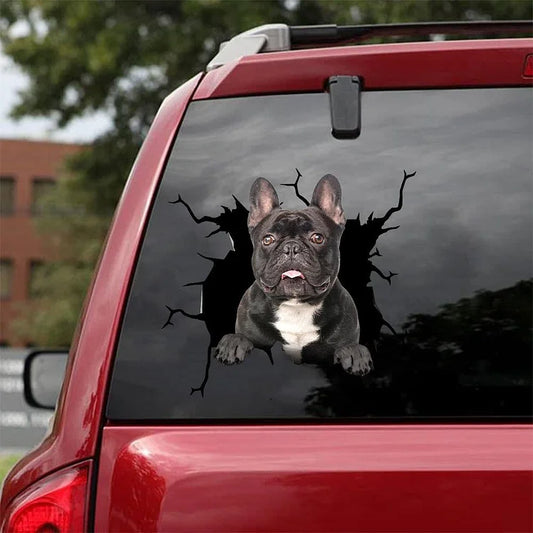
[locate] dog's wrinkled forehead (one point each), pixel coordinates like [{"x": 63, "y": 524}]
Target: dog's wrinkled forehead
[{"x": 291, "y": 224}]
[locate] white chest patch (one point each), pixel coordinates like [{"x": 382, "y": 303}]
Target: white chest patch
[{"x": 294, "y": 321}]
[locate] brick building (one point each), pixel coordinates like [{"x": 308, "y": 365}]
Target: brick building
[{"x": 27, "y": 171}]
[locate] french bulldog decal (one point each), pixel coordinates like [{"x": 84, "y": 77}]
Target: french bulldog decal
[{"x": 296, "y": 298}]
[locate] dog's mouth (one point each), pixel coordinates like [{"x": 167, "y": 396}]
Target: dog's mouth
[
  {"x": 292, "y": 274},
  {"x": 293, "y": 279}
]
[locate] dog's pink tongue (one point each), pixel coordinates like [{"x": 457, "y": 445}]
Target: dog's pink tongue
[{"x": 292, "y": 274}]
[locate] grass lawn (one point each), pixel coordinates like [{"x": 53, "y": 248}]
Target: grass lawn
[{"x": 6, "y": 462}]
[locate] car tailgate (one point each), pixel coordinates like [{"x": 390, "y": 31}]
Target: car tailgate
[{"x": 315, "y": 478}]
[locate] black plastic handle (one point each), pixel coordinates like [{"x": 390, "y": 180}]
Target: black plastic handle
[{"x": 345, "y": 106}]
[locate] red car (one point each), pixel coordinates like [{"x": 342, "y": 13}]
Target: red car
[{"x": 430, "y": 143}]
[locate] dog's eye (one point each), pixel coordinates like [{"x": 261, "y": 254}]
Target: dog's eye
[
  {"x": 317, "y": 238},
  {"x": 268, "y": 240}
]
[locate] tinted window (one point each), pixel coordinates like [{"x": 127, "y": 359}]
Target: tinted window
[
  {"x": 441, "y": 280},
  {"x": 7, "y": 195},
  {"x": 6, "y": 278},
  {"x": 35, "y": 284},
  {"x": 40, "y": 189}
]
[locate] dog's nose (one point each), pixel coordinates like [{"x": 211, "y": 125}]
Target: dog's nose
[{"x": 292, "y": 248}]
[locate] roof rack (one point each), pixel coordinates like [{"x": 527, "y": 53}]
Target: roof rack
[{"x": 279, "y": 37}]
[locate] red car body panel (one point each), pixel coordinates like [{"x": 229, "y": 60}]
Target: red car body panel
[
  {"x": 325, "y": 478},
  {"x": 317, "y": 478},
  {"x": 387, "y": 66}
]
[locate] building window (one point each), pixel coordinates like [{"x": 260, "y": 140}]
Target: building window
[
  {"x": 40, "y": 189},
  {"x": 35, "y": 284},
  {"x": 6, "y": 278},
  {"x": 7, "y": 195}
]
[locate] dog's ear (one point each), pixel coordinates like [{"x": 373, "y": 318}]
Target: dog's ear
[
  {"x": 263, "y": 200},
  {"x": 327, "y": 196}
]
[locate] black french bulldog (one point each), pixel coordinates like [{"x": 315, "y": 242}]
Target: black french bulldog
[{"x": 296, "y": 298}]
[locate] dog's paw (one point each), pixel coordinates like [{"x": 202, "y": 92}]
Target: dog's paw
[
  {"x": 355, "y": 359},
  {"x": 233, "y": 348}
]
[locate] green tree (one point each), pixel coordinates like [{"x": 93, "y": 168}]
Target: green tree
[{"x": 123, "y": 58}]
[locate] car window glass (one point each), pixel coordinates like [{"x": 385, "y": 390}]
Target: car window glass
[{"x": 436, "y": 254}]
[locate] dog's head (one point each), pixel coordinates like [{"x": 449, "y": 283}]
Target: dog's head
[{"x": 296, "y": 253}]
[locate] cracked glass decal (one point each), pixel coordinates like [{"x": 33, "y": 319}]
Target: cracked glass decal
[
  {"x": 356, "y": 249},
  {"x": 435, "y": 210}
]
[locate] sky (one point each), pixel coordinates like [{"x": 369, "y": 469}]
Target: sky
[{"x": 13, "y": 80}]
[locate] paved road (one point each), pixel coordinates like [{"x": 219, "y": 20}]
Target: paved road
[{"x": 21, "y": 427}]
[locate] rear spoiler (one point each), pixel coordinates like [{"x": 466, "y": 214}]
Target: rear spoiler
[{"x": 280, "y": 37}]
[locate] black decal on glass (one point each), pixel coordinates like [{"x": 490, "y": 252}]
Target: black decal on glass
[
  {"x": 296, "y": 190},
  {"x": 231, "y": 276},
  {"x": 296, "y": 298},
  {"x": 357, "y": 245},
  {"x": 227, "y": 280}
]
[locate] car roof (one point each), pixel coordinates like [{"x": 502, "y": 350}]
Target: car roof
[{"x": 281, "y": 37}]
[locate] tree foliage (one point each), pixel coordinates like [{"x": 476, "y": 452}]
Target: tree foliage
[{"x": 123, "y": 58}]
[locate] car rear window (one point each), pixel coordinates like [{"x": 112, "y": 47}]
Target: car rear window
[{"x": 436, "y": 254}]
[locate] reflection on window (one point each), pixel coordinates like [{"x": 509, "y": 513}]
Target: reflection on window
[
  {"x": 41, "y": 188},
  {"x": 7, "y": 195},
  {"x": 35, "y": 285},
  {"x": 6, "y": 278}
]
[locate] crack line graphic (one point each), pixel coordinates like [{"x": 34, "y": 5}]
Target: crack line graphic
[{"x": 231, "y": 276}]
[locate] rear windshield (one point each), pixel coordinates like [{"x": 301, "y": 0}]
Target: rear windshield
[{"x": 435, "y": 257}]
